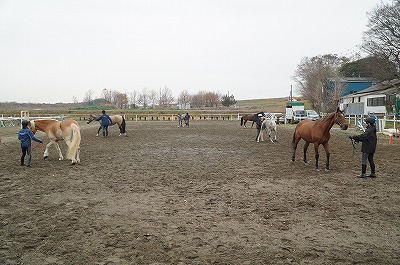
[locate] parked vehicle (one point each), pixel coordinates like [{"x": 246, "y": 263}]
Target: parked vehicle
[
  {"x": 299, "y": 115},
  {"x": 312, "y": 115}
]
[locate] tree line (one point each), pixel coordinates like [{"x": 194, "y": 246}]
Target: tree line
[
  {"x": 151, "y": 99},
  {"x": 381, "y": 41}
]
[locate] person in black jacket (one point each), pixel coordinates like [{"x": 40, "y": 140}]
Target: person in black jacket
[
  {"x": 258, "y": 119},
  {"x": 369, "y": 140}
]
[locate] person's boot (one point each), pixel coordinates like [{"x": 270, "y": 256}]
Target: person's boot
[
  {"x": 372, "y": 175},
  {"x": 363, "y": 172}
]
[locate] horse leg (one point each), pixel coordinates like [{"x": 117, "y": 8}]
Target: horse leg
[
  {"x": 305, "y": 152},
  {"x": 328, "y": 154},
  {"x": 252, "y": 124},
  {"x": 46, "y": 151},
  {"x": 269, "y": 134},
  {"x": 316, "y": 145},
  {"x": 78, "y": 160},
  {"x": 296, "y": 141},
  {"x": 60, "y": 156}
]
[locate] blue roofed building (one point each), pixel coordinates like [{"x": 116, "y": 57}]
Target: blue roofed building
[{"x": 351, "y": 85}]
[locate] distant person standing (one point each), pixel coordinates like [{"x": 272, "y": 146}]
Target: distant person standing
[
  {"x": 187, "y": 119},
  {"x": 258, "y": 120},
  {"x": 105, "y": 121},
  {"x": 25, "y": 136}
]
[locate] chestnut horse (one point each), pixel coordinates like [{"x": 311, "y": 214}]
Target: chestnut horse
[
  {"x": 116, "y": 119},
  {"x": 248, "y": 117},
  {"x": 317, "y": 132},
  {"x": 67, "y": 130}
]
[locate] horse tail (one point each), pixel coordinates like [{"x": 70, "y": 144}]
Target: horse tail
[
  {"x": 294, "y": 137},
  {"x": 75, "y": 141},
  {"x": 241, "y": 121},
  {"x": 123, "y": 125}
]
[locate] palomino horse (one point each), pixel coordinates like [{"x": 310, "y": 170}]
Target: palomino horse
[
  {"x": 317, "y": 132},
  {"x": 269, "y": 125},
  {"x": 67, "y": 130},
  {"x": 248, "y": 117},
  {"x": 116, "y": 119}
]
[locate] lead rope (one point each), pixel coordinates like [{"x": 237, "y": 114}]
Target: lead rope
[{"x": 355, "y": 145}]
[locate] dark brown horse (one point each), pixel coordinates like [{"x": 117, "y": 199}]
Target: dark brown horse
[
  {"x": 248, "y": 117},
  {"x": 317, "y": 132}
]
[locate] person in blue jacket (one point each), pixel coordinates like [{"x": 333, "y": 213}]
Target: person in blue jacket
[
  {"x": 105, "y": 121},
  {"x": 368, "y": 148},
  {"x": 187, "y": 119},
  {"x": 25, "y": 136}
]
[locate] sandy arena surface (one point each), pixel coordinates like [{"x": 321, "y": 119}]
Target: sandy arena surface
[{"x": 207, "y": 194}]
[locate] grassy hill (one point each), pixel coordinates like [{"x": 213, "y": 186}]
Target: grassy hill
[{"x": 249, "y": 106}]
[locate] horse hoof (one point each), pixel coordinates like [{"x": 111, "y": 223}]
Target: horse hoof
[
  {"x": 45, "y": 157},
  {"x": 326, "y": 169}
]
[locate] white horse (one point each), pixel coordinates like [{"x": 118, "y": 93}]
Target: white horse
[{"x": 269, "y": 125}]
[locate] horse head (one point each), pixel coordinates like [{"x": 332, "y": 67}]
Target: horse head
[
  {"x": 31, "y": 125},
  {"x": 91, "y": 118},
  {"x": 340, "y": 119}
]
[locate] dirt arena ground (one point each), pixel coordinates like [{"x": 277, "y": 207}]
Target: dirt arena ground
[{"x": 207, "y": 194}]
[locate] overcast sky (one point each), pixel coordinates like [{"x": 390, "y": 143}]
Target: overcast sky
[{"x": 54, "y": 50}]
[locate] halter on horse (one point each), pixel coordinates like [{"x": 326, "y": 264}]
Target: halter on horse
[
  {"x": 67, "y": 130},
  {"x": 116, "y": 119},
  {"x": 317, "y": 132},
  {"x": 248, "y": 117}
]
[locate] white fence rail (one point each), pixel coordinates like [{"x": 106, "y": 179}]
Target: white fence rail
[
  {"x": 16, "y": 121},
  {"x": 382, "y": 123}
]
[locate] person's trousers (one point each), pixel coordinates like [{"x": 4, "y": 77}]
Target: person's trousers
[
  {"x": 26, "y": 151},
  {"x": 105, "y": 130},
  {"x": 370, "y": 158}
]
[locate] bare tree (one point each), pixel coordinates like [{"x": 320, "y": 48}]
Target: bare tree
[
  {"x": 165, "y": 97},
  {"x": 198, "y": 100},
  {"x": 88, "y": 96},
  {"x": 120, "y": 100},
  {"x": 382, "y": 38},
  {"x": 144, "y": 98},
  {"x": 312, "y": 76},
  {"x": 184, "y": 98},
  {"x": 133, "y": 99},
  {"x": 74, "y": 99},
  {"x": 107, "y": 94},
  {"x": 153, "y": 98},
  {"x": 212, "y": 99}
]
